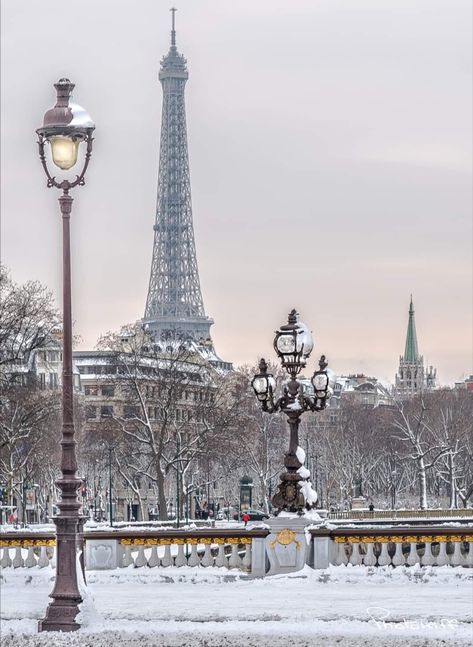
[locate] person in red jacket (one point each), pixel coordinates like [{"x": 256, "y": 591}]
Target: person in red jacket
[{"x": 245, "y": 517}]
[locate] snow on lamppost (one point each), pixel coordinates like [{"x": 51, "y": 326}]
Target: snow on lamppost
[
  {"x": 65, "y": 128},
  {"x": 293, "y": 344}
]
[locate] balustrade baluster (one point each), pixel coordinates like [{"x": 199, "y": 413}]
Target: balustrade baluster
[
  {"x": 153, "y": 560},
  {"x": 234, "y": 561},
  {"x": 43, "y": 557},
  {"x": 469, "y": 556},
  {"x": 140, "y": 559},
  {"x": 398, "y": 558},
  {"x": 355, "y": 557},
  {"x": 180, "y": 557},
  {"x": 18, "y": 559},
  {"x": 221, "y": 559},
  {"x": 194, "y": 557},
  {"x": 167, "y": 558},
  {"x": 369, "y": 558},
  {"x": 207, "y": 559},
  {"x": 340, "y": 557},
  {"x": 30, "y": 560},
  {"x": 127, "y": 558},
  {"x": 6, "y": 559},
  {"x": 413, "y": 557},
  {"x": 384, "y": 558},
  {"x": 247, "y": 558},
  {"x": 456, "y": 558},
  {"x": 442, "y": 557},
  {"x": 428, "y": 559}
]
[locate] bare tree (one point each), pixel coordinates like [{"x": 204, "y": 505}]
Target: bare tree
[
  {"x": 413, "y": 429},
  {"x": 174, "y": 403},
  {"x": 28, "y": 318}
]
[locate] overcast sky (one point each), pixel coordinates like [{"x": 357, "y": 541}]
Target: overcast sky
[{"x": 330, "y": 150}]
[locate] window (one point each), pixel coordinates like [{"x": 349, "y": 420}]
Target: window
[
  {"x": 108, "y": 390},
  {"x": 53, "y": 356},
  {"x": 151, "y": 413},
  {"x": 91, "y": 390},
  {"x": 53, "y": 380},
  {"x": 106, "y": 412},
  {"x": 90, "y": 412},
  {"x": 42, "y": 380},
  {"x": 130, "y": 411}
]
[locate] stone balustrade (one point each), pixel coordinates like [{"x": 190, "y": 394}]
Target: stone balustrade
[
  {"x": 395, "y": 546},
  {"x": 258, "y": 552},
  {"x": 396, "y": 515},
  {"x": 234, "y": 549}
]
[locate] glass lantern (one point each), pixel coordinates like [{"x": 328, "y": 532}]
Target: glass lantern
[
  {"x": 263, "y": 383},
  {"x": 293, "y": 342}
]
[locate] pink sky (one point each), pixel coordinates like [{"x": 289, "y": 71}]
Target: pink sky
[{"x": 330, "y": 151}]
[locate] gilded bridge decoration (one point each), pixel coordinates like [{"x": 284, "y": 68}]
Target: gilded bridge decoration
[
  {"x": 166, "y": 541},
  {"x": 285, "y": 537},
  {"x": 26, "y": 543},
  {"x": 401, "y": 539}
]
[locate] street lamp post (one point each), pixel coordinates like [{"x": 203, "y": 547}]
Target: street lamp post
[
  {"x": 110, "y": 495},
  {"x": 65, "y": 127},
  {"x": 293, "y": 344}
]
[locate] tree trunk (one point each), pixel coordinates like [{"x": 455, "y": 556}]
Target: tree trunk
[
  {"x": 163, "y": 510},
  {"x": 264, "y": 493},
  {"x": 422, "y": 484},
  {"x": 451, "y": 479}
]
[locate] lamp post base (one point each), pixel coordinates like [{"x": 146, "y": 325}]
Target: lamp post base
[{"x": 60, "y": 616}]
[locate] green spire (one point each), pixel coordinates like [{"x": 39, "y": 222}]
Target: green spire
[{"x": 411, "y": 352}]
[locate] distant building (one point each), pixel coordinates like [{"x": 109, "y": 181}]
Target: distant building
[
  {"x": 41, "y": 368},
  {"x": 361, "y": 389},
  {"x": 413, "y": 377},
  {"x": 466, "y": 384}
]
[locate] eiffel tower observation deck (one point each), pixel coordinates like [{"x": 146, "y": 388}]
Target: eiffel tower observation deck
[{"x": 174, "y": 304}]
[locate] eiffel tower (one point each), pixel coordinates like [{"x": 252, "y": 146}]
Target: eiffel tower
[{"x": 174, "y": 302}]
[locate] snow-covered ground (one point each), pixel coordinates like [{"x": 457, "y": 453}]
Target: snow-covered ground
[{"x": 343, "y": 606}]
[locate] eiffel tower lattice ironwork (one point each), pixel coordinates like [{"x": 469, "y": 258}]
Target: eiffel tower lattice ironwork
[{"x": 174, "y": 300}]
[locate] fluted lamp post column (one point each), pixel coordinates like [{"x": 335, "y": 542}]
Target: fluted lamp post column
[
  {"x": 293, "y": 344},
  {"x": 65, "y": 128}
]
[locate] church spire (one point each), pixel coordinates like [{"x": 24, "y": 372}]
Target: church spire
[{"x": 411, "y": 351}]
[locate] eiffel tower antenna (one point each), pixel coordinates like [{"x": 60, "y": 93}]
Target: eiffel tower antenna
[
  {"x": 173, "y": 29},
  {"x": 174, "y": 302}
]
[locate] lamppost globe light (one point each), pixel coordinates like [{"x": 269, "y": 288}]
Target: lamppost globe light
[
  {"x": 263, "y": 383},
  {"x": 293, "y": 342},
  {"x": 64, "y": 127},
  {"x": 64, "y": 150},
  {"x": 320, "y": 381}
]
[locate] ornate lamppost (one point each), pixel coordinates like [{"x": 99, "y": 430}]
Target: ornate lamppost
[
  {"x": 293, "y": 344},
  {"x": 65, "y": 128}
]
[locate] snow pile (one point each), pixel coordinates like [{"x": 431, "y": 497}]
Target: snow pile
[{"x": 310, "y": 495}]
